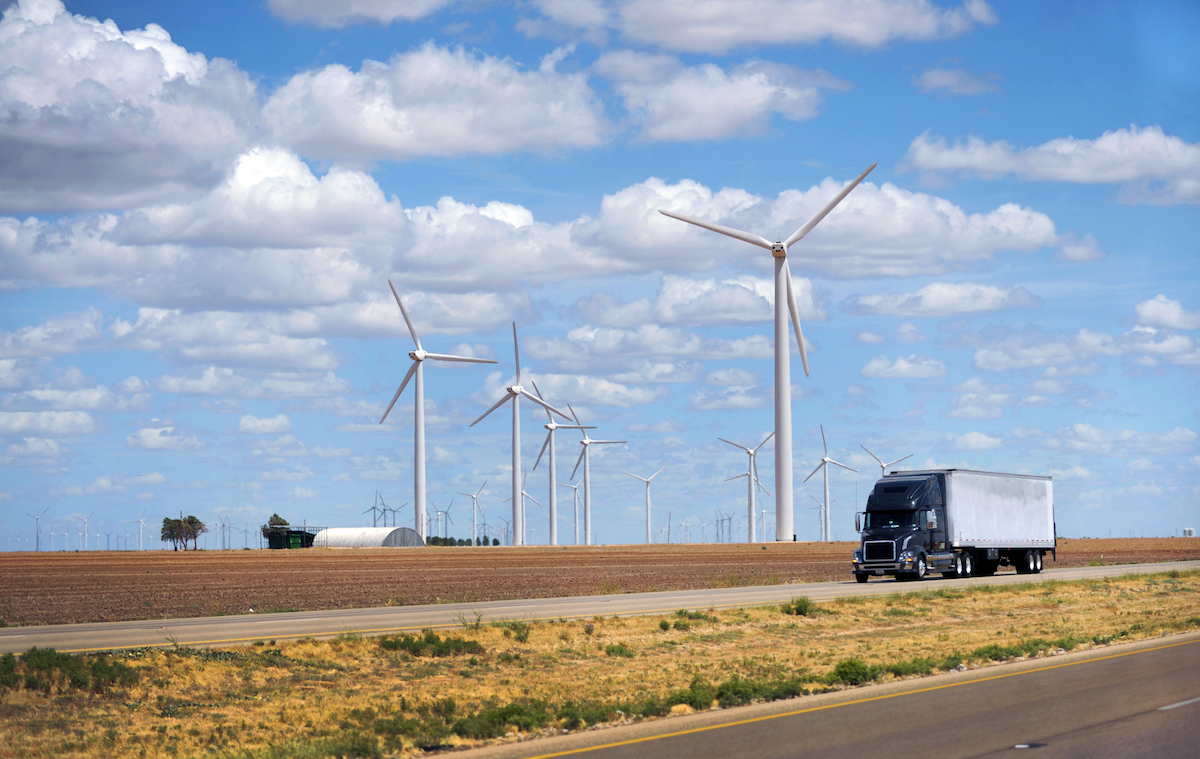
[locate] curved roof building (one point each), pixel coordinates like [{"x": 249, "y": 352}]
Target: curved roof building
[{"x": 367, "y": 537}]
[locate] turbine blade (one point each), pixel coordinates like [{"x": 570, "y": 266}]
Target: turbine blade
[
  {"x": 823, "y": 440},
  {"x": 542, "y": 403},
  {"x": 761, "y": 486},
  {"x": 795, "y": 311},
  {"x": 660, "y": 471},
  {"x": 757, "y": 480},
  {"x": 411, "y": 329},
  {"x": 577, "y": 461},
  {"x": 498, "y": 404},
  {"x": 463, "y": 359},
  {"x": 631, "y": 474},
  {"x": 539, "y": 395},
  {"x": 735, "y": 445},
  {"x": 411, "y": 371},
  {"x": 809, "y": 477},
  {"x": 740, "y": 476},
  {"x": 736, "y": 234},
  {"x": 843, "y": 466},
  {"x": 539, "y": 503},
  {"x": 608, "y": 442},
  {"x": 517, "y": 353},
  {"x": 764, "y": 442},
  {"x": 897, "y": 461},
  {"x": 815, "y": 220},
  {"x": 481, "y": 487},
  {"x": 576, "y": 417},
  {"x": 876, "y": 457}
]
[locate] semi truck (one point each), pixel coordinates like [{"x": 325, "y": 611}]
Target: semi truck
[{"x": 957, "y": 522}]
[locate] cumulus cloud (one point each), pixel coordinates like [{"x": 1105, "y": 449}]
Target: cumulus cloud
[
  {"x": 596, "y": 391},
  {"x": 913, "y": 367},
  {"x": 46, "y": 422},
  {"x": 57, "y": 336},
  {"x": 1067, "y": 355},
  {"x": 671, "y": 101},
  {"x": 1161, "y": 311},
  {"x": 97, "y": 398},
  {"x": 18, "y": 374},
  {"x": 730, "y": 377},
  {"x": 1150, "y": 165},
  {"x": 268, "y": 426},
  {"x": 947, "y": 82},
  {"x": 100, "y": 118},
  {"x": 1087, "y": 438},
  {"x": 435, "y": 101},
  {"x": 975, "y": 441},
  {"x": 298, "y": 474},
  {"x": 163, "y": 438},
  {"x": 347, "y": 12},
  {"x": 943, "y": 299},
  {"x": 731, "y": 398},
  {"x": 909, "y": 333},
  {"x": 977, "y": 400},
  {"x": 870, "y": 337},
  {"x": 113, "y": 484},
  {"x": 304, "y": 493},
  {"x": 725, "y": 24},
  {"x": 214, "y": 380}
]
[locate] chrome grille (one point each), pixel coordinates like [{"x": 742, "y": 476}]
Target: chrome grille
[{"x": 879, "y": 550}]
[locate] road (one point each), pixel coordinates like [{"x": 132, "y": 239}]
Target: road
[
  {"x": 232, "y": 630},
  {"x": 1135, "y": 700}
]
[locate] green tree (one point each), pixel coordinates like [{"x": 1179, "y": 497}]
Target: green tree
[
  {"x": 173, "y": 532},
  {"x": 275, "y": 524},
  {"x": 193, "y": 528}
]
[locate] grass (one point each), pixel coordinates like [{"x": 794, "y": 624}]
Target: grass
[{"x": 399, "y": 695}]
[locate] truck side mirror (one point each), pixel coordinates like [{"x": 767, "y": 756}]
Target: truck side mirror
[{"x": 857, "y": 523}]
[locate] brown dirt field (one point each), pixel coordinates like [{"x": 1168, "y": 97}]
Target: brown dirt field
[{"x": 56, "y": 588}]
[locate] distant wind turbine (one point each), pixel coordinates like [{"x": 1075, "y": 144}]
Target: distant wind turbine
[
  {"x": 85, "y": 528},
  {"x": 574, "y": 505},
  {"x": 513, "y": 393},
  {"x": 475, "y": 511},
  {"x": 783, "y": 383},
  {"x": 552, "y": 426},
  {"x": 882, "y": 465},
  {"x": 647, "y": 481},
  {"x": 751, "y": 476},
  {"x": 418, "y": 357},
  {"x": 584, "y": 456},
  {"x": 825, "y": 462},
  {"x": 37, "y": 518}
]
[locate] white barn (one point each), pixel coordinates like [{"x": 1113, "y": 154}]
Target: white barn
[{"x": 367, "y": 537}]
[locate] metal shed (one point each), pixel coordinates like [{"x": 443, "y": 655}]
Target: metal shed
[{"x": 368, "y": 537}]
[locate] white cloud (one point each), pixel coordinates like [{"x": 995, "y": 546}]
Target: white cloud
[
  {"x": 299, "y": 474},
  {"x": 732, "y": 378},
  {"x": 1087, "y": 438},
  {"x": 18, "y": 374},
  {"x": 670, "y": 101},
  {"x": 264, "y": 426},
  {"x": 719, "y": 25},
  {"x": 943, "y": 299},
  {"x": 46, "y": 422},
  {"x": 1072, "y": 473},
  {"x": 908, "y": 333},
  {"x": 305, "y": 493},
  {"x": 34, "y": 446},
  {"x": 978, "y": 400},
  {"x": 731, "y": 398},
  {"x": 1161, "y": 311},
  {"x": 434, "y": 101},
  {"x": 1064, "y": 356},
  {"x": 133, "y": 384},
  {"x": 217, "y": 381},
  {"x": 65, "y": 334},
  {"x": 163, "y": 438},
  {"x": 913, "y": 367},
  {"x": 347, "y": 12},
  {"x": 100, "y": 118},
  {"x": 946, "y": 82},
  {"x": 113, "y": 484},
  {"x": 97, "y": 398},
  {"x": 975, "y": 441},
  {"x": 1073, "y": 247},
  {"x": 1150, "y": 165},
  {"x": 702, "y": 302},
  {"x": 581, "y": 389},
  {"x": 870, "y": 337}
]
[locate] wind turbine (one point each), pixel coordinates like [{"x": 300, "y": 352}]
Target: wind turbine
[
  {"x": 783, "y": 380},
  {"x": 882, "y": 465},
  {"x": 38, "y": 519},
  {"x": 85, "y": 527},
  {"x": 474, "y": 511},
  {"x": 752, "y": 479},
  {"x": 575, "y": 506},
  {"x": 513, "y": 393},
  {"x": 524, "y": 495},
  {"x": 647, "y": 481},
  {"x": 552, "y": 426},
  {"x": 587, "y": 443},
  {"x": 418, "y": 357},
  {"x": 825, "y": 462}
]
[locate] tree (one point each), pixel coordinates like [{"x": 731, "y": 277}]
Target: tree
[
  {"x": 173, "y": 532},
  {"x": 193, "y": 529},
  {"x": 275, "y": 524}
]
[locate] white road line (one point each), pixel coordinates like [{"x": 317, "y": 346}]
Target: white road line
[{"x": 1176, "y": 706}]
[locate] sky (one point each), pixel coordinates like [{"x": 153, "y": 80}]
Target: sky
[{"x": 201, "y": 205}]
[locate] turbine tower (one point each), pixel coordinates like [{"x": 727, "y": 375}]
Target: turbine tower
[
  {"x": 574, "y": 505},
  {"x": 85, "y": 527},
  {"x": 783, "y": 380},
  {"x": 37, "y": 518},
  {"x": 825, "y": 462},
  {"x": 647, "y": 481},
  {"x": 418, "y": 357},
  {"x": 513, "y": 393},
  {"x": 587, "y": 443},
  {"x": 552, "y": 426},
  {"x": 752, "y": 479},
  {"x": 475, "y": 511},
  {"x": 882, "y": 465}
]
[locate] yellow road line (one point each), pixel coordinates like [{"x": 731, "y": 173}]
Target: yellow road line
[{"x": 765, "y": 718}]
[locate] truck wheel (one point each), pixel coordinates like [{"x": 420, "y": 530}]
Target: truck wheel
[
  {"x": 922, "y": 569},
  {"x": 968, "y": 564},
  {"x": 861, "y": 576},
  {"x": 1026, "y": 564},
  {"x": 1037, "y": 557}
]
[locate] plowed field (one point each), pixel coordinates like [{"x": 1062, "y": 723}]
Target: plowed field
[{"x": 100, "y": 586}]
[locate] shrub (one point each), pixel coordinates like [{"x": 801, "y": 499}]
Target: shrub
[
  {"x": 682, "y": 626},
  {"x": 430, "y": 644},
  {"x": 619, "y": 649},
  {"x": 664, "y": 625},
  {"x": 803, "y": 606},
  {"x": 695, "y": 616},
  {"x": 850, "y": 672}
]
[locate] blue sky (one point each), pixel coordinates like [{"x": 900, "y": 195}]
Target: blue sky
[{"x": 201, "y": 205}]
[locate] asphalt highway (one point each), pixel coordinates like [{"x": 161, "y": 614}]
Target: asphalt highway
[
  {"x": 244, "y": 628},
  {"x": 1135, "y": 700}
]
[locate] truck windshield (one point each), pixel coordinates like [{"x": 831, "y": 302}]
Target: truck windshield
[{"x": 891, "y": 519}]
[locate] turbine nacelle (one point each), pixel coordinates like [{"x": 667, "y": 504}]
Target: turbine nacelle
[
  {"x": 778, "y": 249},
  {"x": 417, "y": 355}
]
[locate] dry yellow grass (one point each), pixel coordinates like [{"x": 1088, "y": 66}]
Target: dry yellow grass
[{"x": 318, "y": 697}]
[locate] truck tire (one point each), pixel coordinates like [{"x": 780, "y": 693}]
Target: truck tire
[
  {"x": 1037, "y": 556},
  {"x": 1026, "y": 564},
  {"x": 861, "y": 576},
  {"x": 968, "y": 563},
  {"x": 957, "y": 570},
  {"x": 922, "y": 568}
]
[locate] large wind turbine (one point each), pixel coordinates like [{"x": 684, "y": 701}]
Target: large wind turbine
[
  {"x": 474, "y": 511},
  {"x": 513, "y": 393},
  {"x": 752, "y": 479},
  {"x": 37, "y": 545},
  {"x": 418, "y": 356},
  {"x": 783, "y": 379},
  {"x": 552, "y": 426},
  {"x": 825, "y": 462},
  {"x": 882, "y": 465},
  {"x": 647, "y": 481},
  {"x": 587, "y": 443}
]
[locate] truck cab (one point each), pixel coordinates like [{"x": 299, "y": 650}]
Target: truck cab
[{"x": 904, "y": 529}]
